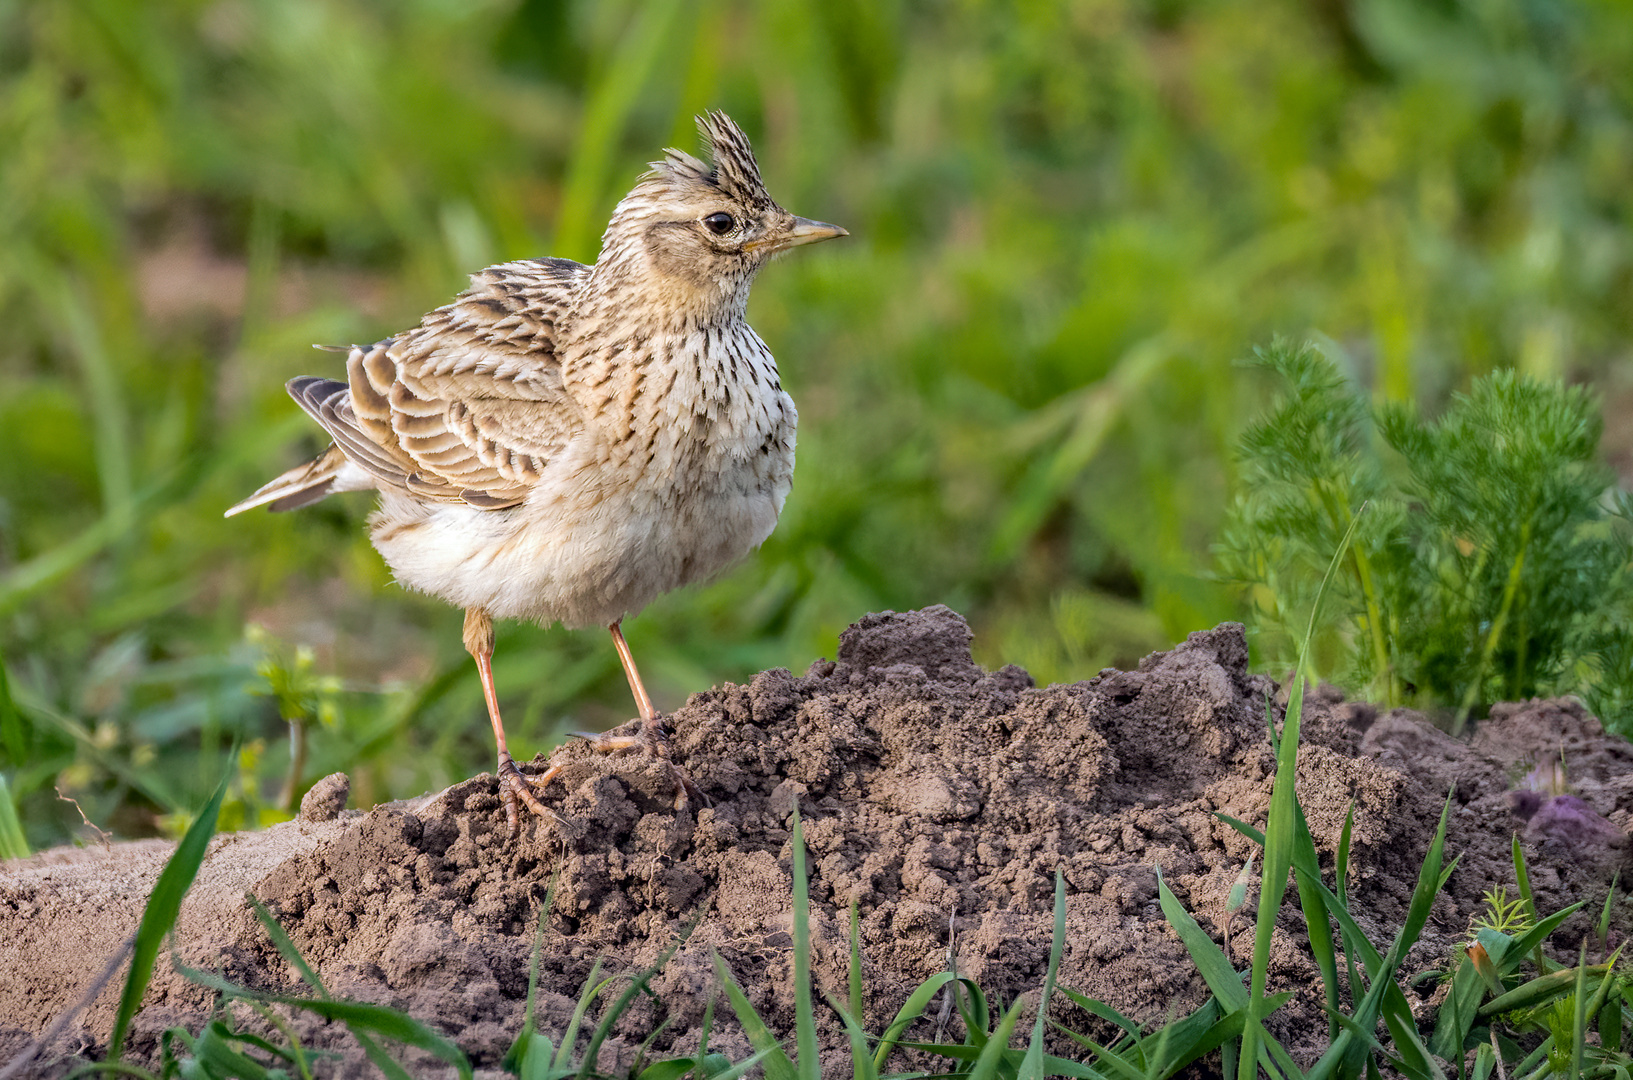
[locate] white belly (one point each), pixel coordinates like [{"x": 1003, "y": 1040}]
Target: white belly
[{"x": 584, "y": 550}]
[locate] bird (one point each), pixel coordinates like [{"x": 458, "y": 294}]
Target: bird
[{"x": 566, "y": 442}]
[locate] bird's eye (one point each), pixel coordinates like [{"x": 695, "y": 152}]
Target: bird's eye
[{"x": 720, "y": 223}]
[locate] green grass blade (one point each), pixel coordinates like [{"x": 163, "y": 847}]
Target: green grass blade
[
  {"x": 977, "y": 1017},
  {"x": 1579, "y": 1018},
  {"x": 1457, "y": 1015},
  {"x": 569, "y": 1037},
  {"x": 1221, "y": 1035},
  {"x": 159, "y": 916},
  {"x": 987, "y": 1063},
  {"x": 1345, "y": 1053},
  {"x": 1610, "y": 1023},
  {"x": 1314, "y": 907},
  {"x": 359, "y": 1016},
  {"x": 1105, "y": 1058},
  {"x": 286, "y": 948},
  {"x": 523, "y": 1054},
  {"x": 1032, "y": 1064},
  {"x": 1216, "y": 971},
  {"x": 1522, "y": 878},
  {"x": 636, "y": 986},
  {"x": 118, "y": 1068},
  {"x": 1167, "y": 1050},
  {"x": 387, "y": 1023},
  {"x": 1485, "y": 1062},
  {"x": 703, "y": 1037},
  {"x": 13, "y": 842},
  {"x": 911, "y": 1010},
  {"x": 1341, "y": 863},
  {"x": 215, "y": 1052},
  {"x": 672, "y": 1069},
  {"x": 1412, "y": 1057},
  {"x": 14, "y": 730},
  {"x": 150, "y": 783},
  {"x": 1538, "y": 1054},
  {"x": 1242, "y": 827},
  {"x": 1009, "y": 1060},
  {"x": 1602, "y": 931},
  {"x": 1539, "y": 990},
  {"x": 27, "y": 579},
  {"x": 1278, "y": 862},
  {"x": 1602, "y": 995},
  {"x": 741, "y": 1067},
  {"x": 1104, "y": 1012},
  {"x": 1221, "y": 978},
  {"x": 1282, "y": 822},
  {"x": 776, "y": 1063},
  {"x": 861, "y": 1061},
  {"x": 805, "y": 1038}
]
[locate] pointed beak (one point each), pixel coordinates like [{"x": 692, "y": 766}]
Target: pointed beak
[{"x": 806, "y": 231}]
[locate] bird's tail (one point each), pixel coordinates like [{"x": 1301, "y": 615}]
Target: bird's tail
[{"x": 300, "y": 486}]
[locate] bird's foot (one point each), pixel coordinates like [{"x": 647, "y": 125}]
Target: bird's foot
[
  {"x": 516, "y": 789},
  {"x": 651, "y": 738}
]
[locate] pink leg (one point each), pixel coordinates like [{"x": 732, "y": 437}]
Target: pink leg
[
  {"x": 652, "y": 738},
  {"x": 642, "y": 701},
  {"x": 513, "y": 786}
]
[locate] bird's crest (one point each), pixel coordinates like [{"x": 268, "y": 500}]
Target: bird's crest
[{"x": 733, "y": 169}]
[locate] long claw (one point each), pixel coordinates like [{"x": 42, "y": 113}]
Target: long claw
[
  {"x": 514, "y": 788},
  {"x": 652, "y": 739}
]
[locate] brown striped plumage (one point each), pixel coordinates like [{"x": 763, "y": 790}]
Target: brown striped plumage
[{"x": 566, "y": 442}]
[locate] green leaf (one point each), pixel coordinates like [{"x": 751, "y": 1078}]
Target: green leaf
[
  {"x": 1032, "y": 1064},
  {"x": 809, "y": 1068},
  {"x": 775, "y": 1060},
  {"x": 672, "y": 1069},
  {"x": 1383, "y": 998},
  {"x": 861, "y": 1061},
  {"x": 1541, "y": 989},
  {"x": 159, "y": 916},
  {"x": 371, "y": 1019},
  {"x": 912, "y": 1009},
  {"x": 528, "y": 1056},
  {"x": 1216, "y": 971},
  {"x": 636, "y": 986},
  {"x": 13, "y": 842}
]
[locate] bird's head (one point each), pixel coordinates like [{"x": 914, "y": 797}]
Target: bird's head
[{"x": 698, "y": 233}]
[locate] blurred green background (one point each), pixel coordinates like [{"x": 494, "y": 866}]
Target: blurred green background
[{"x": 1017, "y": 380}]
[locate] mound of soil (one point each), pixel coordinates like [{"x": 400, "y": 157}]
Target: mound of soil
[{"x": 937, "y": 797}]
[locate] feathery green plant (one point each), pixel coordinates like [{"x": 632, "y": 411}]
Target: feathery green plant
[{"x": 1494, "y": 563}]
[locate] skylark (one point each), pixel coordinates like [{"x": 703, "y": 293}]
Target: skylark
[{"x": 564, "y": 442}]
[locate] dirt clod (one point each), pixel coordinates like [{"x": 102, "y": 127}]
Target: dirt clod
[{"x": 941, "y": 799}]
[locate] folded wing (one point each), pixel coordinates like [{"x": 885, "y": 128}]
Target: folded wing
[{"x": 468, "y": 406}]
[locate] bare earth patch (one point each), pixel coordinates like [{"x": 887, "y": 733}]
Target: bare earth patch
[{"x": 935, "y": 794}]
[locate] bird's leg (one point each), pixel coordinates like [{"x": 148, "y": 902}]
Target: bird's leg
[
  {"x": 653, "y": 737},
  {"x": 650, "y": 721},
  {"x": 513, "y": 786}
]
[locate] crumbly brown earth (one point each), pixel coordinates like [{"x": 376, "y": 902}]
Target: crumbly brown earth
[{"x": 937, "y": 797}]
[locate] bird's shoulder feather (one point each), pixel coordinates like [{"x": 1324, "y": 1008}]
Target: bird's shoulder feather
[{"x": 468, "y": 406}]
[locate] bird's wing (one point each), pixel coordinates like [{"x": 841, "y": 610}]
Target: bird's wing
[{"x": 469, "y": 405}]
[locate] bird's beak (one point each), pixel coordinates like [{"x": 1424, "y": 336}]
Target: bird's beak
[{"x": 806, "y": 231}]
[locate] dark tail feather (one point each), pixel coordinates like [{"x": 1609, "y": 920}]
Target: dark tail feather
[{"x": 300, "y": 486}]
